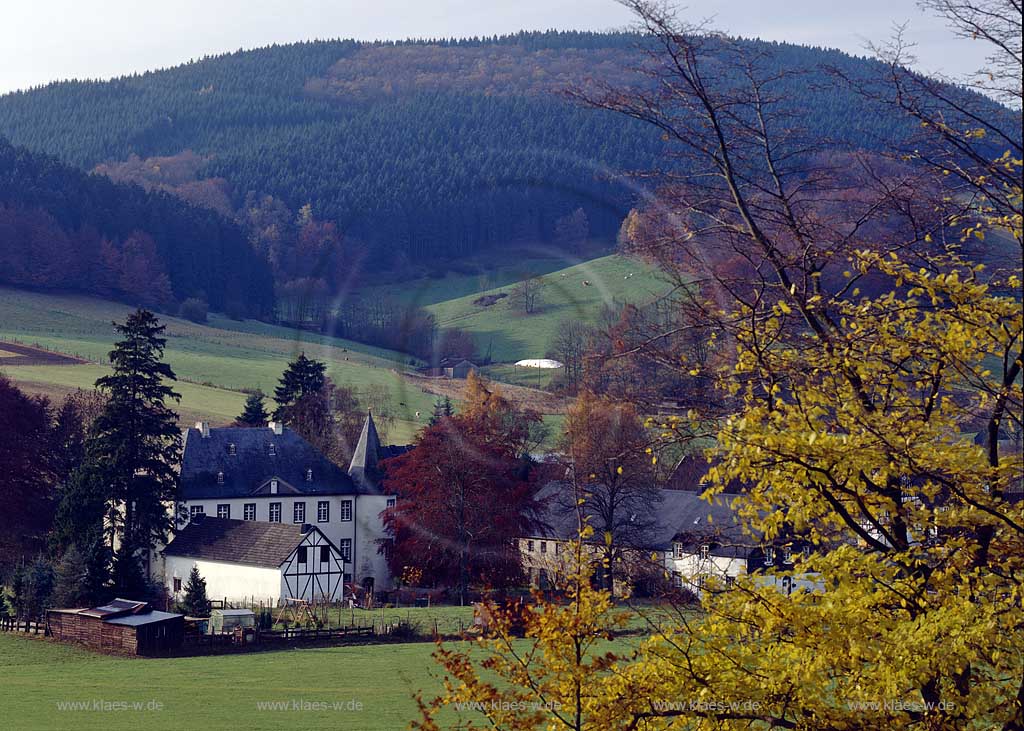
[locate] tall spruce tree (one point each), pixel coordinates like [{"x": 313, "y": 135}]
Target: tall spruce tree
[
  {"x": 255, "y": 413},
  {"x": 303, "y": 377},
  {"x": 128, "y": 476}
]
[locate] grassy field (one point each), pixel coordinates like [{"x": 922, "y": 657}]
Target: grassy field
[
  {"x": 374, "y": 685},
  {"x": 510, "y": 336},
  {"x": 215, "y": 361}
]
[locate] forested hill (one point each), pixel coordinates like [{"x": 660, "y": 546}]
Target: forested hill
[
  {"x": 415, "y": 151},
  {"x": 61, "y": 228}
]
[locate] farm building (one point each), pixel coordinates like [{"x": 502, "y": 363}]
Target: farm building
[
  {"x": 252, "y": 560},
  {"x": 689, "y": 538},
  {"x": 460, "y": 369},
  {"x": 122, "y": 626},
  {"x": 273, "y": 475}
]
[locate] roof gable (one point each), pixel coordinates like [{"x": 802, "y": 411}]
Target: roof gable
[{"x": 238, "y": 541}]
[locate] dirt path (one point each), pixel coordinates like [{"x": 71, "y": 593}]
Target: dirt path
[{"x": 540, "y": 401}]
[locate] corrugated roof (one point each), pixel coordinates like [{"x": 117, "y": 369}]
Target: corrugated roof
[
  {"x": 676, "y": 516},
  {"x": 136, "y": 620},
  {"x": 236, "y": 541},
  {"x": 235, "y": 462}
]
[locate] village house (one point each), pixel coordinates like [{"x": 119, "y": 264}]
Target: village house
[
  {"x": 687, "y": 541},
  {"x": 255, "y": 561},
  {"x": 273, "y": 475}
]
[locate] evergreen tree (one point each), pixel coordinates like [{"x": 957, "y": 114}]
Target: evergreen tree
[
  {"x": 31, "y": 589},
  {"x": 126, "y": 574},
  {"x": 442, "y": 410},
  {"x": 302, "y": 377},
  {"x": 128, "y": 475},
  {"x": 196, "y": 603},
  {"x": 255, "y": 413}
]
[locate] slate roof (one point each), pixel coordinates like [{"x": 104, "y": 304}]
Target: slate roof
[
  {"x": 253, "y": 464},
  {"x": 365, "y": 468},
  {"x": 236, "y": 541},
  {"x": 678, "y": 516}
]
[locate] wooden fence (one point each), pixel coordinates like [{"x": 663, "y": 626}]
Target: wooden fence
[{"x": 10, "y": 624}]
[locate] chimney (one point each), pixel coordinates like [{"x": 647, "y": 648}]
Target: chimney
[
  {"x": 277, "y": 427},
  {"x": 203, "y": 427}
]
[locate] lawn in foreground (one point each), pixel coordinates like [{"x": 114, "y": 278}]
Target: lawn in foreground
[
  {"x": 364, "y": 687},
  {"x": 374, "y": 685}
]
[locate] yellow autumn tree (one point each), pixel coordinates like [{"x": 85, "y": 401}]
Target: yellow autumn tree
[{"x": 871, "y": 400}]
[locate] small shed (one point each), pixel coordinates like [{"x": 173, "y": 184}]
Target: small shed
[
  {"x": 225, "y": 620},
  {"x": 122, "y": 626},
  {"x": 460, "y": 369}
]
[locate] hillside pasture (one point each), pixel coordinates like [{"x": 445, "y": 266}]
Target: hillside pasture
[{"x": 579, "y": 292}]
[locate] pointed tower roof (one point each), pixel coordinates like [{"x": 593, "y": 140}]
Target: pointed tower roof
[{"x": 366, "y": 456}]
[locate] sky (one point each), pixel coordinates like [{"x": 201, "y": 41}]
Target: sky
[{"x": 48, "y": 40}]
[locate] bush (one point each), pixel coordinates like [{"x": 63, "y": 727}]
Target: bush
[{"x": 194, "y": 309}]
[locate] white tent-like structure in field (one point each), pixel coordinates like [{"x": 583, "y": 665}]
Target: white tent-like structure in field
[{"x": 545, "y": 363}]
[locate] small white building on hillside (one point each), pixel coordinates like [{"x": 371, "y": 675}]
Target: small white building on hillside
[{"x": 254, "y": 561}]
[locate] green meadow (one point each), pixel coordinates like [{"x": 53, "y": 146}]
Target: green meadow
[
  {"x": 578, "y": 292},
  {"x": 215, "y": 362}
]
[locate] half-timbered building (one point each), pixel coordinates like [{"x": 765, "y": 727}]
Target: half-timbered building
[
  {"x": 255, "y": 561},
  {"x": 273, "y": 475}
]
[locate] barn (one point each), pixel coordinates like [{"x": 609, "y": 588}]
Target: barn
[
  {"x": 122, "y": 626},
  {"x": 460, "y": 369},
  {"x": 247, "y": 560}
]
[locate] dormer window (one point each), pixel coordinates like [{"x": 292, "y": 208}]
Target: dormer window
[
  {"x": 232, "y": 449},
  {"x": 273, "y": 487},
  {"x": 309, "y": 475},
  {"x": 769, "y": 556},
  {"x": 272, "y": 450},
  {"x": 705, "y": 552},
  {"x": 220, "y": 478}
]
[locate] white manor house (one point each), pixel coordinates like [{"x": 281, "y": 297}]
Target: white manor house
[{"x": 272, "y": 476}]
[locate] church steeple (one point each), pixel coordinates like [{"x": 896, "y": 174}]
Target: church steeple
[{"x": 366, "y": 456}]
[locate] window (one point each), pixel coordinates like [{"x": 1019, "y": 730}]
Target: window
[
  {"x": 275, "y": 512},
  {"x": 543, "y": 546},
  {"x": 323, "y": 511},
  {"x": 220, "y": 478},
  {"x": 705, "y": 552},
  {"x": 558, "y": 548},
  {"x": 391, "y": 502},
  {"x": 272, "y": 449},
  {"x": 195, "y": 510},
  {"x": 345, "y": 548},
  {"x": 730, "y": 580},
  {"x": 177, "y": 584},
  {"x": 325, "y": 554},
  {"x": 787, "y": 555},
  {"x": 223, "y": 510},
  {"x": 232, "y": 449},
  {"x": 273, "y": 487},
  {"x": 299, "y": 513},
  {"x": 769, "y": 556},
  {"x": 346, "y": 510},
  {"x": 677, "y": 579},
  {"x": 309, "y": 475},
  {"x": 302, "y": 554},
  {"x": 249, "y": 511},
  {"x": 678, "y": 550},
  {"x": 529, "y": 546}
]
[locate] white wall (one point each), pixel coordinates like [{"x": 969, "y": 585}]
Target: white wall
[
  {"x": 690, "y": 566},
  {"x": 365, "y": 529},
  {"x": 233, "y": 582}
]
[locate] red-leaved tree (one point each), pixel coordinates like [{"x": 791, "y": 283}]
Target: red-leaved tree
[{"x": 463, "y": 500}]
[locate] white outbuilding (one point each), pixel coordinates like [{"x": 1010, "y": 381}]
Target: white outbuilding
[{"x": 257, "y": 561}]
